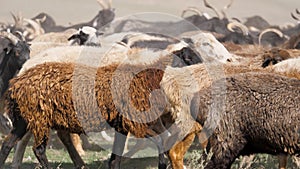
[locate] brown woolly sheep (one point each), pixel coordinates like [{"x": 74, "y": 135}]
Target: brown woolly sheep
[
  {"x": 54, "y": 80},
  {"x": 267, "y": 121}
]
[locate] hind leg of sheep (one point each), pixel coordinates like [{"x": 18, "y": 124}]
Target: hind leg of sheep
[
  {"x": 177, "y": 152},
  {"x": 20, "y": 150},
  {"x": 118, "y": 148},
  {"x": 65, "y": 137},
  {"x": 16, "y": 134},
  {"x": 77, "y": 143},
  {"x": 40, "y": 152},
  {"x": 224, "y": 154},
  {"x": 282, "y": 158}
]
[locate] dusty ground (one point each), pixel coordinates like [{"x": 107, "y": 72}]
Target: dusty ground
[{"x": 74, "y": 11}]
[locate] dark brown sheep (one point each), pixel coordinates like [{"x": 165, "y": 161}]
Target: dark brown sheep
[
  {"x": 261, "y": 115},
  {"x": 176, "y": 83}
]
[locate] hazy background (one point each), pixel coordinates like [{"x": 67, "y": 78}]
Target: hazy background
[{"x": 74, "y": 11}]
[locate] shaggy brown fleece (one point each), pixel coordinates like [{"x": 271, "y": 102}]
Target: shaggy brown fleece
[{"x": 64, "y": 96}]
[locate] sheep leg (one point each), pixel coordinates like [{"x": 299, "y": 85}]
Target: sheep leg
[
  {"x": 282, "y": 158},
  {"x": 66, "y": 139},
  {"x": 40, "y": 153},
  {"x": 7, "y": 145},
  {"x": 117, "y": 151},
  {"x": 77, "y": 143},
  {"x": 16, "y": 134},
  {"x": 20, "y": 150},
  {"x": 224, "y": 155},
  {"x": 162, "y": 161},
  {"x": 177, "y": 152}
]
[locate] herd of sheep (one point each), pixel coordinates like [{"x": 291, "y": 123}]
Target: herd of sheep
[{"x": 234, "y": 85}]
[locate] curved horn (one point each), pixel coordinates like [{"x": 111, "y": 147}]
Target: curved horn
[
  {"x": 14, "y": 17},
  {"x": 40, "y": 20},
  {"x": 211, "y": 7},
  {"x": 226, "y": 7},
  {"x": 192, "y": 9},
  {"x": 294, "y": 17},
  {"x": 36, "y": 26},
  {"x": 236, "y": 19},
  {"x": 21, "y": 37},
  {"x": 278, "y": 32},
  {"x": 102, "y": 4},
  {"x": 14, "y": 40},
  {"x": 243, "y": 28},
  {"x": 297, "y": 11}
]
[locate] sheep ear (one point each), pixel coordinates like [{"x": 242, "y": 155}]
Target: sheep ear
[
  {"x": 75, "y": 36},
  {"x": 266, "y": 62}
]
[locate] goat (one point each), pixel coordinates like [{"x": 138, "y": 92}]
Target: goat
[
  {"x": 104, "y": 17},
  {"x": 293, "y": 42},
  {"x": 29, "y": 28},
  {"x": 14, "y": 53},
  {"x": 257, "y": 23}
]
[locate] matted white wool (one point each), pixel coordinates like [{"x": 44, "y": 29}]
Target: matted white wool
[
  {"x": 288, "y": 65},
  {"x": 92, "y": 56},
  {"x": 144, "y": 56},
  {"x": 38, "y": 47},
  {"x": 179, "y": 86}
]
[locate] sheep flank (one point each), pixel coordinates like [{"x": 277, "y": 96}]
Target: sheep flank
[{"x": 261, "y": 115}]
